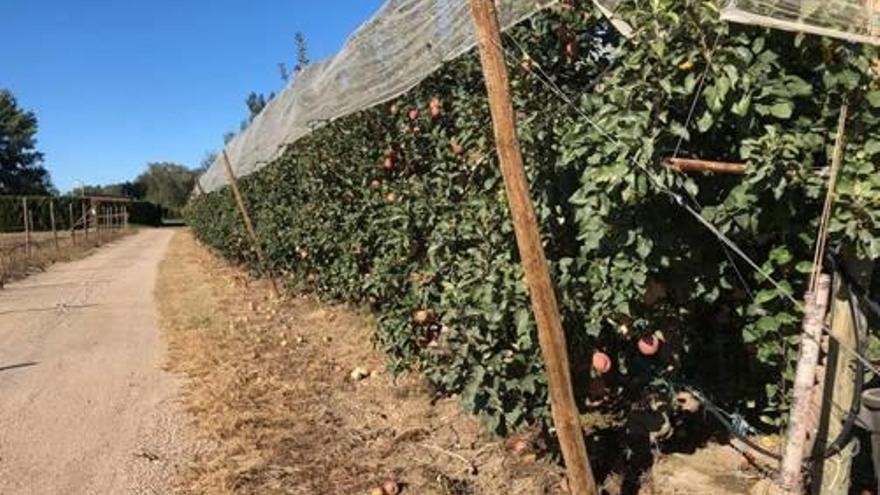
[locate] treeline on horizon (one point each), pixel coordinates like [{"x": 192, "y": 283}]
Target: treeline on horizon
[{"x": 23, "y": 173}]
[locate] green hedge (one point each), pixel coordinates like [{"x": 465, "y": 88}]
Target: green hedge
[
  {"x": 407, "y": 212},
  {"x": 146, "y": 213},
  {"x": 12, "y": 218}
]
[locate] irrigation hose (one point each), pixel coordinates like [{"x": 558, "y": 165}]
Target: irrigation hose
[{"x": 845, "y": 434}]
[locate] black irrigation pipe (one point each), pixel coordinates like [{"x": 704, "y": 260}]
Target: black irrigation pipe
[{"x": 857, "y": 295}]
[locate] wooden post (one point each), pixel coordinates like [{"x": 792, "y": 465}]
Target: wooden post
[
  {"x": 31, "y": 224},
  {"x": 27, "y": 227},
  {"x": 249, "y": 226},
  {"x": 85, "y": 219},
  {"x": 72, "y": 223},
  {"x": 790, "y": 468},
  {"x": 52, "y": 221},
  {"x": 832, "y": 476},
  {"x": 550, "y": 333}
]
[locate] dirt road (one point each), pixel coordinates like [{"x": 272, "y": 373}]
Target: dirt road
[{"x": 85, "y": 407}]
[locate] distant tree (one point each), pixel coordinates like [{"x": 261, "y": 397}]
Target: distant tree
[
  {"x": 21, "y": 169},
  {"x": 302, "y": 58},
  {"x": 167, "y": 184},
  {"x": 129, "y": 189},
  {"x": 302, "y": 52},
  {"x": 207, "y": 161},
  {"x": 255, "y": 103}
]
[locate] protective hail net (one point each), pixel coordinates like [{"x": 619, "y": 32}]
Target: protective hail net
[
  {"x": 853, "y": 20},
  {"x": 407, "y": 40},
  {"x": 401, "y": 45}
]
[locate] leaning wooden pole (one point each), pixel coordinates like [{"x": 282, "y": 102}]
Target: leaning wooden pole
[
  {"x": 550, "y": 333},
  {"x": 248, "y": 225}
]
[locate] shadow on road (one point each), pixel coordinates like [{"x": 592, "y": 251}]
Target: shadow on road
[{"x": 17, "y": 366}]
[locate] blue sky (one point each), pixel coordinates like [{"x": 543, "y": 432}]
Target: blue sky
[{"x": 118, "y": 84}]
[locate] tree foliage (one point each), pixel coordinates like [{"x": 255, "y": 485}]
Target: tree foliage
[
  {"x": 21, "y": 169},
  {"x": 165, "y": 184},
  {"x": 402, "y": 207}
]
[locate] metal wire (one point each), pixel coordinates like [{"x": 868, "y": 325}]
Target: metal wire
[{"x": 545, "y": 79}]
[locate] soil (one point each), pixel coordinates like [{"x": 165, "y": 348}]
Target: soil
[
  {"x": 15, "y": 264},
  {"x": 272, "y": 396},
  {"x": 294, "y": 399},
  {"x": 86, "y": 407}
]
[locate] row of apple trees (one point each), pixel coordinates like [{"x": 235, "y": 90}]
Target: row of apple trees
[{"x": 401, "y": 207}]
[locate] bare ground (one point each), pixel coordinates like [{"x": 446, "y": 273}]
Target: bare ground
[
  {"x": 270, "y": 387},
  {"x": 16, "y": 264},
  {"x": 86, "y": 407}
]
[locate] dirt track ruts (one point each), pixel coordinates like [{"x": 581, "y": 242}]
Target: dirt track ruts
[{"x": 85, "y": 407}]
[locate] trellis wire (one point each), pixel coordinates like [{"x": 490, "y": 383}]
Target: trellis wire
[{"x": 679, "y": 199}]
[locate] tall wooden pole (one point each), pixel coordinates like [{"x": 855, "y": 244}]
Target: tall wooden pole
[
  {"x": 52, "y": 221},
  {"x": 85, "y": 218},
  {"x": 249, "y": 226},
  {"x": 27, "y": 227},
  {"x": 72, "y": 223},
  {"x": 550, "y": 333},
  {"x": 791, "y": 466},
  {"x": 31, "y": 225}
]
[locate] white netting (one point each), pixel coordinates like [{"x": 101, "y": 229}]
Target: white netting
[
  {"x": 401, "y": 45},
  {"x": 853, "y": 20}
]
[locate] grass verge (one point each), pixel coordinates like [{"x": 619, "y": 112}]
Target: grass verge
[{"x": 292, "y": 398}]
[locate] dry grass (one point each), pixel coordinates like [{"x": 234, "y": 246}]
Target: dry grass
[
  {"x": 269, "y": 387},
  {"x": 15, "y": 263}
]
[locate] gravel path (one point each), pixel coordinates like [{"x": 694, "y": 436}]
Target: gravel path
[{"x": 85, "y": 407}]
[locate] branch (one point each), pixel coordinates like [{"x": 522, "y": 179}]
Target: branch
[{"x": 697, "y": 165}]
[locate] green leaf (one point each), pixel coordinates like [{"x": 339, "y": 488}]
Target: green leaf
[
  {"x": 767, "y": 324},
  {"x": 705, "y": 122},
  {"x": 782, "y": 110},
  {"x": 873, "y": 98},
  {"x": 742, "y": 106},
  {"x": 804, "y": 267}
]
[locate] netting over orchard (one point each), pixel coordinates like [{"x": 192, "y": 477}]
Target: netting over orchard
[
  {"x": 401, "y": 45},
  {"x": 407, "y": 40},
  {"x": 853, "y": 20}
]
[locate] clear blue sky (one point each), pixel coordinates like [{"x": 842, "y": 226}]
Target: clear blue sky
[{"x": 118, "y": 84}]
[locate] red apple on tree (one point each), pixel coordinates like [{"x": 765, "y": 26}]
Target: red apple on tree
[
  {"x": 649, "y": 345},
  {"x": 601, "y": 362}
]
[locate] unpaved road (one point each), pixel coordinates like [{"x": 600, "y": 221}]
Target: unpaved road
[{"x": 85, "y": 407}]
